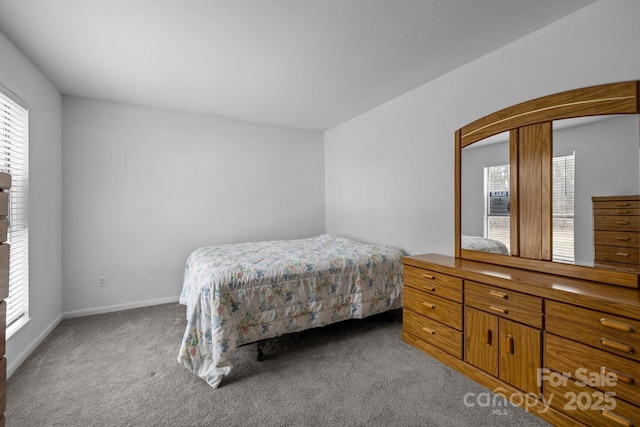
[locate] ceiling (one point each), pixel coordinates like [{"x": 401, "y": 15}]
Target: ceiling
[{"x": 308, "y": 64}]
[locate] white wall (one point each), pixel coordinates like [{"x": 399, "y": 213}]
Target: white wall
[
  {"x": 45, "y": 199},
  {"x": 144, "y": 187},
  {"x": 606, "y": 165},
  {"x": 389, "y": 172}
]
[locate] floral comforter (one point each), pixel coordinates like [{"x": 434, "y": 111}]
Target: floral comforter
[
  {"x": 482, "y": 244},
  {"x": 242, "y": 293}
]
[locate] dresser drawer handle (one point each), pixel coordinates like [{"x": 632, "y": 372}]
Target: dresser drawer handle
[
  {"x": 499, "y": 309},
  {"x": 498, "y": 294},
  {"x": 619, "y": 419},
  {"x": 488, "y": 335},
  {"x": 624, "y": 378},
  {"x": 428, "y": 304},
  {"x": 428, "y": 276},
  {"x": 623, "y": 212},
  {"x": 618, "y": 326},
  {"x": 623, "y": 254},
  {"x": 429, "y": 288},
  {"x": 429, "y": 330},
  {"x": 622, "y": 222},
  {"x": 623, "y": 239},
  {"x": 510, "y": 346},
  {"x": 622, "y": 205},
  {"x": 615, "y": 345}
]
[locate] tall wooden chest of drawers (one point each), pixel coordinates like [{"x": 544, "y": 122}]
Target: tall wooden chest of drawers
[
  {"x": 616, "y": 230},
  {"x": 5, "y": 184}
]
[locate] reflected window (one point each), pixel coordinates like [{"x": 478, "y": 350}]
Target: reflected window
[
  {"x": 563, "y": 207},
  {"x": 497, "y": 205}
]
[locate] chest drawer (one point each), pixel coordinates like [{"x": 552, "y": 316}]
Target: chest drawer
[
  {"x": 616, "y": 212},
  {"x": 590, "y": 406},
  {"x": 440, "y": 309},
  {"x": 504, "y": 296},
  {"x": 439, "y": 284},
  {"x": 590, "y": 365},
  {"x": 617, "y": 204},
  {"x": 617, "y": 254},
  {"x": 617, "y": 238},
  {"x": 603, "y": 323},
  {"x": 508, "y": 311},
  {"x": 616, "y": 223},
  {"x": 433, "y": 332}
]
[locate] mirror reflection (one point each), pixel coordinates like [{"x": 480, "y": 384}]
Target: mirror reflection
[
  {"x": 485, "y": 195},
  {"x": 592, "y": 157}
]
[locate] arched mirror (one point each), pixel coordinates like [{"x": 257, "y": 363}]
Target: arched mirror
[{"x": 538, "y": 183}]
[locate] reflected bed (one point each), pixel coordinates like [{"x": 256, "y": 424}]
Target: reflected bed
[{"x": 482, "y": 244}]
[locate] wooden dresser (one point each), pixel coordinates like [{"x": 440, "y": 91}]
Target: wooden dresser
[
  {"x": 616, "y": 231},
  {"x": 5, "y": 184},
  {"x": 536, "y": 337}
]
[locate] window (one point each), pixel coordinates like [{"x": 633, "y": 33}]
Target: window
[
  {"x": 497, "y": 207},
  {"x": 563, "y": 218},
  {"x": 14, "y": 155}
]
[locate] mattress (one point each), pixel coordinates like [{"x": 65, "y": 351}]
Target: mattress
[
  {"x": 482, "y": 244},
  {"x": 242, "y": 293}
]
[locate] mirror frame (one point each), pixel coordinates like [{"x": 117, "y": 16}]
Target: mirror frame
[{"x": 539, "y": 113}]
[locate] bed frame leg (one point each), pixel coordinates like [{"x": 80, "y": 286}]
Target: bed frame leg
[
  {"x": 389, "y": 317},
  {"x": 261, "y": 350}
]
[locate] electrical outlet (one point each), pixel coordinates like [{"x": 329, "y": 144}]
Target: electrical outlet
[{"x": 102, "y": 281}]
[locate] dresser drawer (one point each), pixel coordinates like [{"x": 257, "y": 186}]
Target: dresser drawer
[
  {"x": 589, "y": 364},
  {"x": 433, "y": 332},
  {"x": 4, "y": 203},
  {"x": 449, "y": 287},
  {"x": 590, "y": 406},
  {"x": 602, "y": 340},
  {"x": 504, "y": 296},
  {"x": 617, "y": 212},
  {"x": 617, "y": 254},
  {"x": 502, "y": 309},
  {"x": 440, "y": 309},
  {"x": 3, "y": 316},
  {"x": 616, "y": 223},
  {"x": 627, "y": 239},
  {"x": 4, "y": 271},
  {"x": 617, "y": 204},
  {"x": 598, "y": 320}
]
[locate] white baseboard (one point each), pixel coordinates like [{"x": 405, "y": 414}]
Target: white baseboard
[
  {"x": 118, "y": 307},
  {"x": 15, "y": 363}
]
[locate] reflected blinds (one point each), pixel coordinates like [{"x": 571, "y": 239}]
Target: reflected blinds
[
  {"x": 14, "y": 129},
  {"x": 563, "y": 213}
]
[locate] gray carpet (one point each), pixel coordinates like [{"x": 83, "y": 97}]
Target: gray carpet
[{"x": 120, "y": 369}]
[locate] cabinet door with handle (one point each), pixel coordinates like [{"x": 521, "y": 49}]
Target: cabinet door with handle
[
  {"x": 482, "y": 340},
  {"x": 520, "y": 355}
]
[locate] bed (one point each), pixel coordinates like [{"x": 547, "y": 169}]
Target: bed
[
  {"x": 482, "y": 244},
  {"x": 242, "y": 293}
]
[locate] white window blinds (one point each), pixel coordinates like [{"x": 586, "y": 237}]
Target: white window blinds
[
  {"x": 14, "y": 155},
  {"x": 563, "y": 201},
  {"x": 497, "y": 222}
]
